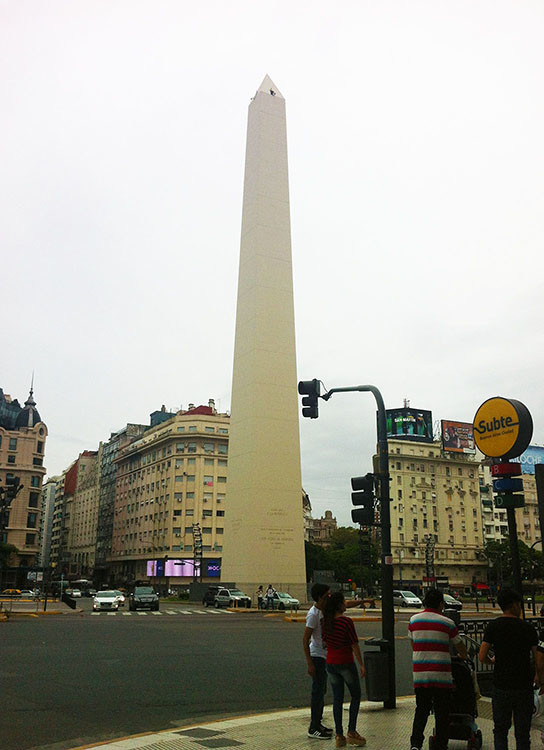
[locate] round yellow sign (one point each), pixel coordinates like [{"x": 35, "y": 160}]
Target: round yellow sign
[{"x": 502, "y": 428}]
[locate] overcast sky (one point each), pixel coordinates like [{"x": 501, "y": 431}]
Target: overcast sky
[{"x": 415, "y": 134}]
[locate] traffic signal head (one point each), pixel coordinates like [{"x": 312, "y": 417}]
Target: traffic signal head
[
  {"x": 364, "y": 496},
  {"x": 311, "y": 390}
]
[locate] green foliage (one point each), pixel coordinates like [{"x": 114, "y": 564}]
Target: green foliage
[
  {"x": 343, "y": 556},
  {"x": 500, "y": 562},
  {"x": 6, "y": 551}
]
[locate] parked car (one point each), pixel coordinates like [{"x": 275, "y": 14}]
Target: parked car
[
  {"x": 76, "y": 593},
  {"x": 105, "y": 600},
  {"x": 231, "y": 598},
  {"x": 143, "y": 597},
  {"x": 283, "y": 600},
  {"x": 209, "y": 597},
  {"x": 28, "y": 594},
  {"x": 121, "y": 597},
  {"x": 451, "y": 603},
  {"x": 406, "y": 599},
  {"x": 11, "y": 593}
]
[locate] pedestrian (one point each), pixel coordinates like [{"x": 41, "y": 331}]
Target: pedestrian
[
  {"x": 260, "y": 597},
  {"x": 316, "y": 654},
  {"x": 342, "y": 645},
  {"x": 514, "y": 641},
  {"x": 270, "y": 591},
  {"x": 432, "y": 634}
]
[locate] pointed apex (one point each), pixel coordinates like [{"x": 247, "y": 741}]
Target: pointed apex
[{"x": 269, "y": 87}]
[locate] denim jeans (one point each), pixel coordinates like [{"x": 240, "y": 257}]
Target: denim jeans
[
  {"x": 319, "y": 688},
  {"x": 339, "y": 675},
  {"x": 438, "y": 699},
  {"x": 520, "y": 704}
]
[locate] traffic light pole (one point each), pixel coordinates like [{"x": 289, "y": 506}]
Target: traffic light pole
[{"x": 388, "y": 612}]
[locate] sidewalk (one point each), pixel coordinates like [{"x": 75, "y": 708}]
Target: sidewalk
[{"x": 286, "y": 730}]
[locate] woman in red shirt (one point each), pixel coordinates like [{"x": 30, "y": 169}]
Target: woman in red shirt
[{"x": 342, "y": 644}]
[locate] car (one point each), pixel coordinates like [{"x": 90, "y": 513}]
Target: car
[
  {"x": 231, "y": 598},
  {"x": 451, "y": 603},
  {"x": 209, "y": 597},
  {"x": 105, "y": 600},
  {"x": 143, "y": 597},
  {"x": 12, "y": 593},
  {"x": 90, "y": 593},
  {"x": 121, "y": 597},
  {"x": 76, "y": 593},
  {"x": 283, "y": 600},
  {"x": 406, "y": 599},
  {"x": 27, "y": 594}
]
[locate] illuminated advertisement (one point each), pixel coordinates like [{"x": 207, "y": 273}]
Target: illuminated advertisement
[
  {"x": 182, "y": 568},
  {"x": 457, "y": 437},
  {"x": 528, "y": 460},
  {"x": 410, "y": 424}
]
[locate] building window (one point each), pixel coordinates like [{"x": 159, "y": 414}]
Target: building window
[
  {"x": 188, "y": 529},
  {"x": 207, "y": 513},
  {"x": 35, "y": 481},
  {"x": 447, "y": 471},
  {"x": 219, "y": 512},
  {"x": 180, "y": 447},
  {"x": 223, "y": 431},
  {"x": 13, "y": 444},
  {"x": 179, "y": 463},
  {"x": 190, "y": 477},
  {"x": 222, "y": 449},
  {"x": 208, "y": 480},
  {"x": 399, "y": 494},
  {"x": 192, "y": 428},
  {"x": 181, "y": 429},
  {"x": 209, "y": 447},
  {"x": 209, "y": 429},
  {"x": 189, "y": 512},
  {"x": 208, "y": 461},
  {"x": 221, "y": 480},
  {"x": 29, "y": 539},
  {"x": 31, "y": 520},
  {"x": 37, "y": 461},
  {"x": 11, "y": 459},
  {"x": 206, "y": 529},
  {"x": 33, "y": 500},
  {"x": 179, "y": 477},
  {"x": 192, "y": 448},
  {"x": 190, "y": 496}
]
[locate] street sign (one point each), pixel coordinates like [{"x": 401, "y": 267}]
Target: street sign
[
  {"x": 502, "y": 428},
  {"x": 505, "y": 470},
  {"x": 507, "y": 500},
  {"x": 508, "y": 485}
]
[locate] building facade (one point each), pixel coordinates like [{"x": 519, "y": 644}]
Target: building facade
[
  {"x": 169, "y": 480},
  {"x": 46, "y": 520},
  {"x": 83, "y": 514},
  {"x": 322, "y": 529},
  {"x": 22, "y": 448},
  {"x": 435, "y": 513}
]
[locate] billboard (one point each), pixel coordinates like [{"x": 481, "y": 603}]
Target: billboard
[
  {"x": 457, "y": 437},
  {"x": 410, "y": 424},
  {"x": 182, "y": 568},
  {"x": 532, "y": 456}
]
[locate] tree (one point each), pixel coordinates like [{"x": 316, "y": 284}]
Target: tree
[{"x": 317, "y": 558}]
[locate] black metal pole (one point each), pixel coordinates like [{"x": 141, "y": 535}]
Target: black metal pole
[
  {"x": 388, "y": 611},
  {"x": 539, "y": 478},
  {"x": 361, "y": 558},
  {"x": 514, "y": 551}
]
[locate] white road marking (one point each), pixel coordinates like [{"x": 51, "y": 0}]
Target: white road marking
[
  {"x": 171, "y": 611},
  {"x": 156, "y": 613},
  {"x": 142, "y": 613}
]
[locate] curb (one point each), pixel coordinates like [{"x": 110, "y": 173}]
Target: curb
[{"x": 360, "y": 618}]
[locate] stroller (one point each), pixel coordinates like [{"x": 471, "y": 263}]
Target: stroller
[{"x": 463, "y": 711}]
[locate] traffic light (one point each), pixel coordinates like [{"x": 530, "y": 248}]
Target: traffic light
[
  {"x": 311, "y": 390},
  {"x": 508, "y": 491},
  {"x": 364, "y": 496}
]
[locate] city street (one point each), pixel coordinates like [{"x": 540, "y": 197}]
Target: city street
[{"x": 79, "y": 678}]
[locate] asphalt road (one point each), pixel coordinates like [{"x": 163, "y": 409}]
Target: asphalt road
[{"x": 76, "y": 679}]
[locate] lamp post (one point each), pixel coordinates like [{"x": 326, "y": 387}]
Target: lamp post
[{"x": 532, "y": 566}]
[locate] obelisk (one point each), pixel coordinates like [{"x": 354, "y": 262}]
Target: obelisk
[{"x": 264, "y": 531}]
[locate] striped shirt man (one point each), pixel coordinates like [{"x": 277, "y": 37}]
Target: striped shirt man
[{"x": 431, "y": 634}]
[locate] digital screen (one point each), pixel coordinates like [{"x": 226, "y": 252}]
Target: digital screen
[
  {"x": 172, "y": 568},
  {"x": 213, "y": 568},
  {"x": 410, "y": 424},
  {"x": 457, "y": 437}
]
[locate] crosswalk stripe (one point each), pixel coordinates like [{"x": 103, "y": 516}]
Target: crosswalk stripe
[
  {"x": 170, "y": 611},
  {"x": 201, "y": 611},
  {"x": 95, "y": 613},
  {"x": 186, "y": 612},
  {"x": 156, "y": 613},
  {"x": 142, "y": 613},
  {"x": 111, "y": 614},
  {"x": 127, "y": 613}
]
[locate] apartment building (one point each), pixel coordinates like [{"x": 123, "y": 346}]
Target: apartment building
[
  {"x": 22, "y": 449},
  {"x": 435, "y": 501},
  {"x": 82, "y": 510},
  {"x": 47, "y": 508},
  {"x": 168, "y": 480}
]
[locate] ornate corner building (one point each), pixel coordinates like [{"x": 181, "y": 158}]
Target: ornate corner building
[{"x": 22, "y": 450}]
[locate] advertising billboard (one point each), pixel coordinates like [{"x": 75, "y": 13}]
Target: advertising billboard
[
  {"x": 532, "y": 456},
  {"x": 410, "y": 424},
  {"x": 457, "y": 437},
  {"x": 172, "y": 568}
]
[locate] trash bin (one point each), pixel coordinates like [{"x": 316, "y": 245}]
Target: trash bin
[{"x": 377, "y": 670}]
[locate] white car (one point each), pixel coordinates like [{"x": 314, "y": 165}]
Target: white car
[
  {"x": 120, "y": 596},
  {"x": 106, "y": 600},
  {"x": 406, "y": 599},
  {"x": 27, "y": 594},
  {"x": 76, "y": 593}
]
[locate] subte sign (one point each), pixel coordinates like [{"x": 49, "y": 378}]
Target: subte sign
[{"x": 503, "y": 428}]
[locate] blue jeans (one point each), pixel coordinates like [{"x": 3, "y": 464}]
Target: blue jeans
[
  {"x": 319, "y": 688},
  {"x": 520, "y": 704},
  {"x": 339, "y": 675}
]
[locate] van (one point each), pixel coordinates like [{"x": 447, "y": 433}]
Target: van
[{"x": 406, "y": 599}]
